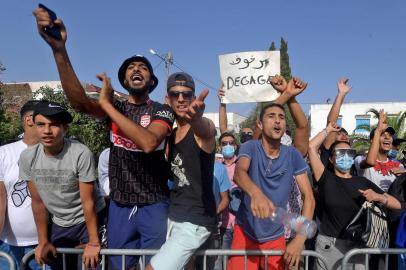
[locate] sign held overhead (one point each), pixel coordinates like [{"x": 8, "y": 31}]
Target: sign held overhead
[{"x": 247, "y": 76}]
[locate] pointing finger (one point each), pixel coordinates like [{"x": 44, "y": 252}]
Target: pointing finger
[{"x": 203, "y": 95}]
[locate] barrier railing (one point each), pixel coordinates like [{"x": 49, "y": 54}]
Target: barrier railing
[
  {"x": 205, "y": 253},
  {"x": 9, "y": 259},
  {"x": 371, "y": 251}
]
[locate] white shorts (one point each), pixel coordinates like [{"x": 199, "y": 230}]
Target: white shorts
[{"x": 184, "y": 238}]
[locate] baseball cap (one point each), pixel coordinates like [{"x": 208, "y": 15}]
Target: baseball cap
[
  {"x": 53, "y": 109},
  {"x": 136, "y": 58},
  {"x": 397, "y": 141},
  {"x": 390, "y": 130},
  {"x": 28, "y": 106},
  {"x": 182, "y": 79}
]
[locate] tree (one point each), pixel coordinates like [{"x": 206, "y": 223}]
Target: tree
[
  {"x": 286, "y": 73},
  {"x": 361, "y": 142},
  {"x": 93, "y": 133},
  {"x": 10, "y": 126}
]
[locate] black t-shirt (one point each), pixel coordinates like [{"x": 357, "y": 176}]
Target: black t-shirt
[
  {"x": 138, "y": 178},
  {"x": 192, "y": 198},
  {"x": 339, "y": 200}
]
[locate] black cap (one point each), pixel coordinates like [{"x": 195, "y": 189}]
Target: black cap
[
  {"x": 397, "y": 142},
  {"x": 28, "y": 106},
  {"x": 136, "y": 58},
  {"x": 54, "y": 110},
  {"x": 390, "y": 130},
  {"x": 182, "y": 79}
]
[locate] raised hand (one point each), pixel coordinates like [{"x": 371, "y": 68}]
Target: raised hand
[
  {"x": 196, "y": 108},
  {"x": 332, "y": 127},
  {"x": 382, "y": 121},
  {"x": 343, "y": 86},
  {"x": 279, "y": 83},
  {"x": 106, "y": 93},
  {"x": 43, "y": 20},
  {"x": 295, "y": 86},
  {"x": 221, "y": 93}
]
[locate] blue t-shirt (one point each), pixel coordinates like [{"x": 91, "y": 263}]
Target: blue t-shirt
[
  {"x": 274, "y": 177},
  {"x": 221, "y": 183}
]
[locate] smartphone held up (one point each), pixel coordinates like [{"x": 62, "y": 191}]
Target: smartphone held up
[{"x": 53, "y": 31}]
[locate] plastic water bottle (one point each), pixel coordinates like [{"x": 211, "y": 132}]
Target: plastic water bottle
[{"x": 295, "y": 222}]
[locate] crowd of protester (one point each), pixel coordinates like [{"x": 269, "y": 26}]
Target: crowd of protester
[{"x": 179, "y": 189}]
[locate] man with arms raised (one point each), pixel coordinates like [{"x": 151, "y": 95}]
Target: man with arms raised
[
  {"x": 137, "y": 167},
  {"x": 265, "y": 171}
]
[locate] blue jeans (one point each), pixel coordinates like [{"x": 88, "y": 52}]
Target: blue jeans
[
  {"x": 226, "y": 236},
  {"x": 17, "y": 253}
]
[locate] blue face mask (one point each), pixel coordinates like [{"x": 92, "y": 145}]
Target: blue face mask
[
  {"x": 392, "y": 154},
  {"x": 344, "y": 163},
  {"x": 228, "y": 151}
]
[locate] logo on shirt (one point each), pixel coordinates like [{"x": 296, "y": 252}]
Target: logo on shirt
[
  {"x": 19, "y": 193},
  {"x": 165, "y": 114},
  {"x": 145, "y": 120},
  {"x": 179, "y": 171}
]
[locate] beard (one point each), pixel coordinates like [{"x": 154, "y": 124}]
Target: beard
[{"x": 137, "y": 91}]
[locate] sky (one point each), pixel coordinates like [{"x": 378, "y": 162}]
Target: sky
[{"x": 363, "y": 40}]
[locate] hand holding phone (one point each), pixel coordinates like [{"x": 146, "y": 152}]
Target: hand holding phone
[{"x": 53, "y": 31}]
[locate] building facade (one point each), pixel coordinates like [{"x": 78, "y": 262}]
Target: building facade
[{"x": 352, "y": 115}]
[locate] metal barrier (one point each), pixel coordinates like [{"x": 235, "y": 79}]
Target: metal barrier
[
  {"x": 371, "y": 251},
  {"x": 9, "y": 259},
  {"x": 205, "y": 253}
]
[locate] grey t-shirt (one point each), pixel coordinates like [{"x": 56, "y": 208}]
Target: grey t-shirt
[{"x": 56, "y": 179}]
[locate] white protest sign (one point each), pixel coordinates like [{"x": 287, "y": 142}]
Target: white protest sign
[{"x": 247, "y": 76}]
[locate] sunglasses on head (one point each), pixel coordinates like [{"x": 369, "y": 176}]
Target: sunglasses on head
[
  {"x": 228, "y": 143},
  {"x": 186, "y": 94},
  {"x": 341, "y": 152}
]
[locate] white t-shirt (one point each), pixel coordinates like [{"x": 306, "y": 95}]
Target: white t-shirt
[
  {"x": 19, "y": 228},
  {"x": 380, "y": 174},
  {"x": 103, "y": 171}
]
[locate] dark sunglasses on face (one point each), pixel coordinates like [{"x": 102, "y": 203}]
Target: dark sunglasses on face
[
  {"x": 186, "y": 94},
  {"x": 341, "y": 152},
  {"x": 228, "y": 143}
]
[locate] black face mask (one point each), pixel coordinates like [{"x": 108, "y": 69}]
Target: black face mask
[{"x": 245, "y": 137}]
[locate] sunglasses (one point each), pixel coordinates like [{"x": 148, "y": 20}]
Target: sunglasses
[
  {"x": 341, "y": 152},
  {"x": 186, "y": 94},
  {"x": 228, "y": 143}
]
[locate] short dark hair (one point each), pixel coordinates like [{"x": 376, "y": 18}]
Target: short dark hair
[
  {"x": 270, "y": 105},
  {"x": 28, "y": 107},
  {"x": 334, "y": 146},
  {"x": 227, "y": 134}
]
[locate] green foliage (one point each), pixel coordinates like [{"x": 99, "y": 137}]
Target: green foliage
[
  {"x": 285, "y": 67},
  {"x": 93, "y": 133},
  {"x": 361, "y": 142},
  {"x": 272, "y": 48}
]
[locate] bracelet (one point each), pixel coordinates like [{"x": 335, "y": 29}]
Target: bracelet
[
  {"x": 93, "y": 244},
  {"x": 325, "y": 132}
]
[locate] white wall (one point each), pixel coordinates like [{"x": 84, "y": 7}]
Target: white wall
[
  {"x": 349, "y": 111},
  {"x": 233, "y": 119}
]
